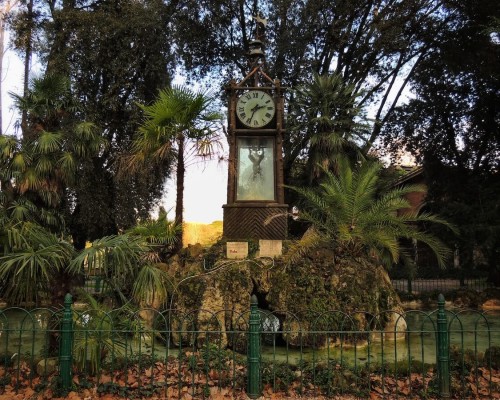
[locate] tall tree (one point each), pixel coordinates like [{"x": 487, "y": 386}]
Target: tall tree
[
  {"x": 115, "y": 54},
  {"x": 329, "y": 123},
  {"x": 374, "y": 45},
  {"x": 453, "y": 127},
  {"x": 24, "y": 26},
  {"x": 177, "y": 116},
  {"x": 39, "y": 169}
]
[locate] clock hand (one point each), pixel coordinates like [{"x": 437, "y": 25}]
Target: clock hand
[{"x": 254, "y": 110}]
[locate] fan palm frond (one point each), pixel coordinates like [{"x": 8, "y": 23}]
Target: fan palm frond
[
  {"x": 116, "y": 256},
  {"x": 35, "y": 255},
  {"x": 150, "y": 285},
  {"x": 346, "y": 210}
]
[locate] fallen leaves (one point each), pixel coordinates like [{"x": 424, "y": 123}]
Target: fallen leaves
[{"x": 196, "y": 376}]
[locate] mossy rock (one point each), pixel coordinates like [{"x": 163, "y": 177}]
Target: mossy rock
[{"x": 321, "y": 292}]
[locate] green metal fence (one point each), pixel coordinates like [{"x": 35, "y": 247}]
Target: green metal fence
[{"x": 205, "y": 353}]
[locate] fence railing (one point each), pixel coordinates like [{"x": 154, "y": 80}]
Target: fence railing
[
  {"x": 205, "y": 353},
  {"x": 443, "y": 285}
]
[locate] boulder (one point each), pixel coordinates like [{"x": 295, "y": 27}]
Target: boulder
[
  {"x": 320, "y": 292},
  {"x": 491, "y": 304}
]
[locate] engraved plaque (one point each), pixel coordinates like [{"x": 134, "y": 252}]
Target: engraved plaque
[
  {"x": 270, "y": 248},
  {"x": 237, "y": 250}
]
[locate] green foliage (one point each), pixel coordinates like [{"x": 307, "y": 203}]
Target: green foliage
[
  {"x": 373, "y": 45},
  {"x": 150, "y": 285},
  {"x": 279, "y": 375},
  {"x": 32, "y": 258},
  {"x": 349, "y": 216},
  {"x": 96, "y": 334},
  {"x": 178, "y": 109},
  {"x": 177, "y": 115},
  {"x": 111, "y": 58},
  {"x": 325, "y": 121},
  {"x": 177, "y": 112},
  {"x": 47, "y": 102},
  {"x": 37, "y": 170},
  {"x": 123, "y": 261},
  {"x": 452, "y": 125},
  {"x": 161, "y": 234},
  {"x": 112, "y": 255}
]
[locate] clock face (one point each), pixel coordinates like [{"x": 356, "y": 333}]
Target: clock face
[{"x": 255, "y": 108}]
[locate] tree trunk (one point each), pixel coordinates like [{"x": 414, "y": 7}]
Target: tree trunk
[
  {"x": 27, "y": 62},
  {"x": 2, "y": 38},
  {"x": 179, "y": 202}
]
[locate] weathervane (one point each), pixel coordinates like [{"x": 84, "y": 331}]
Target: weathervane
[
  {"x": 256, "y": 56},
  {"x": 260, "y": 28}
]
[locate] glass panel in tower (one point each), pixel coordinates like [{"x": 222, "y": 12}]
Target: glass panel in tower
[{"x": 255, "y": 169}]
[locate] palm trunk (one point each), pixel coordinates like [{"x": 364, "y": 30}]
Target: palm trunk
[{"x": 179, "y": 202}]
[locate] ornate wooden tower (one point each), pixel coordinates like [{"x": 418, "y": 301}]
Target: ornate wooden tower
[{"x": 255, "y": 206}]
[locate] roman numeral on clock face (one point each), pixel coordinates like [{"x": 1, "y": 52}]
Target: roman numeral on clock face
[{"x": 255, "y": 108}]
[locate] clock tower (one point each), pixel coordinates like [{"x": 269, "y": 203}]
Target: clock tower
[{"x": 255, "y": 206}]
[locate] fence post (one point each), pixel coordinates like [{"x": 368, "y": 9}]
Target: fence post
[
  {"x": 443, "y": 351},
  {"x": 254, "y": 350},
  {"x": 66, "y": 344},
  {"x": 410, "y": 286}
]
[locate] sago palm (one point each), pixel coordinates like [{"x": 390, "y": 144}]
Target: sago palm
[{"x": 349, "y": 216}]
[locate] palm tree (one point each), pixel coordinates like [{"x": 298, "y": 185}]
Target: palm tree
[
  {"x": 37, "y": 169},
  {"x": 47, "y": 103},
  {"x": 176, "y": 116},
  {"x": 347, "y": 215},
  {"x": 131, "y": 263},
  {"x": 33, "y": 259},
  {"x": 329, "y": 122}
]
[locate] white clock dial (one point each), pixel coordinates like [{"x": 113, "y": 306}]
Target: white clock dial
[{"x": 255, "y": 108}]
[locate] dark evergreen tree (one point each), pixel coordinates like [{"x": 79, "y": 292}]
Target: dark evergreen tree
[
  {"x": 373, "y": 45},
  {"x": 453, "y": 127},
  {"x": 116, "y": 54}
]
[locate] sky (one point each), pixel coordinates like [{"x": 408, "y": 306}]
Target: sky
[
  {"x": 205, "y": 184},
  {"x": 205, "y": 193},
  {"x": 12, "y": 81}
]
